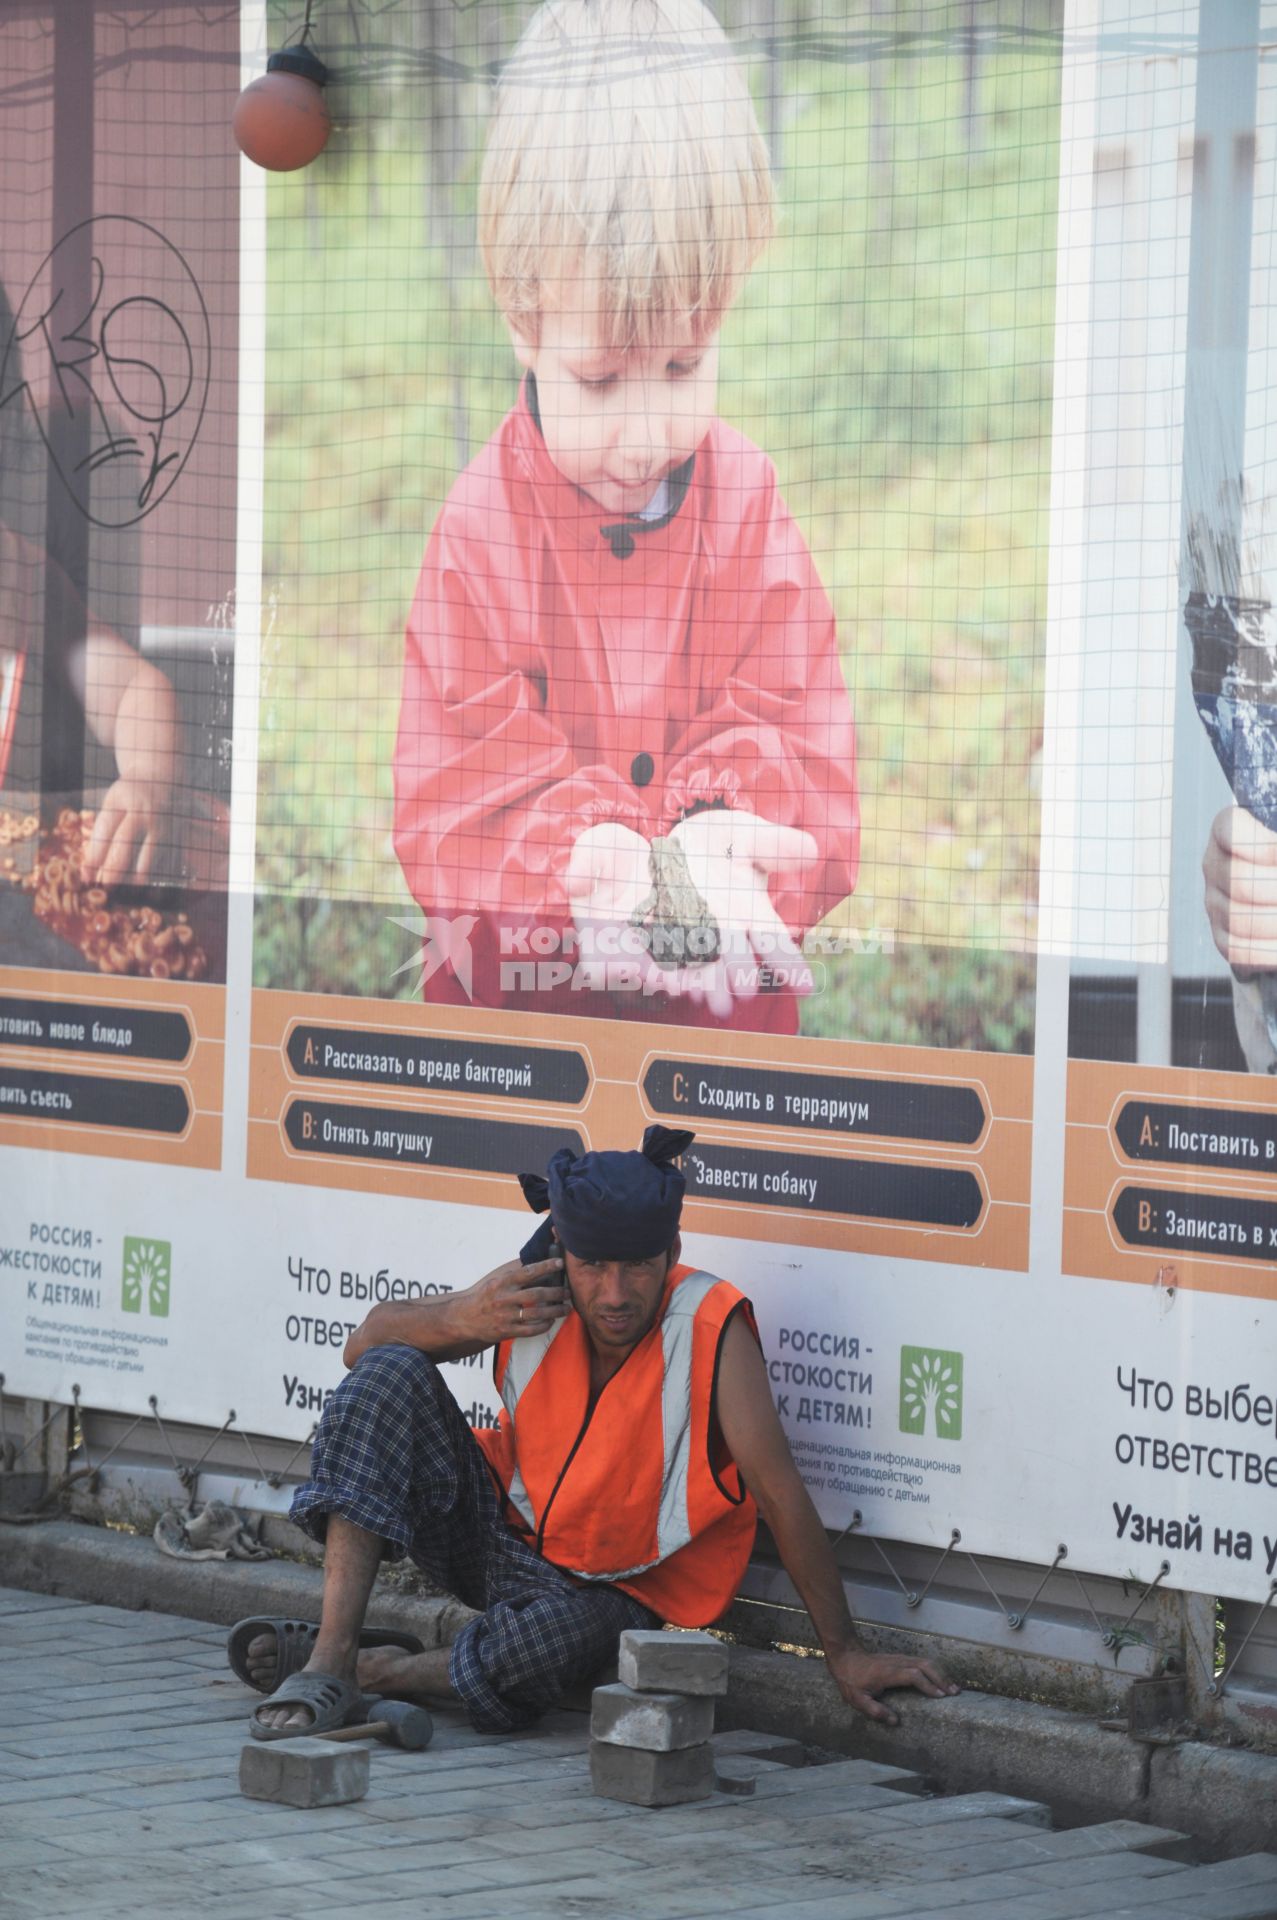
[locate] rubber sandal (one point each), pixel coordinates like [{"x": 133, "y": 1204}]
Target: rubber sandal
[
  {"x": 294, "y": 1640},
  {"x": 334, "y": 1703}
]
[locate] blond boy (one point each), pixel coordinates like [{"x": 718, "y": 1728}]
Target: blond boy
[{"x": 618, "y": 635}]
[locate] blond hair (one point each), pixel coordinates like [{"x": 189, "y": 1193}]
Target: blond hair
[{"x": 624, "y": 153}]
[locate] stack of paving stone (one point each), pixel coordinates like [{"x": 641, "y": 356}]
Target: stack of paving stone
[{"x": 650, "y": 1732}]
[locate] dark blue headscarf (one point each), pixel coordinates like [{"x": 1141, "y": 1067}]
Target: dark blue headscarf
[{"x": 610, "y": 1206}]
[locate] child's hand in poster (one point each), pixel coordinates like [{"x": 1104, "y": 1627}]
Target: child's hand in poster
[
  {"x": 1240, "y": 866},
  {"x": 732, "y": 857},
  {"x": 129, "y": 831},
  {"x": 608, "y": 873}
]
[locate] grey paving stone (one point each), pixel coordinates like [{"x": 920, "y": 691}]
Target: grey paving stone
[
  {"x": 1103, "y": 1870},
  {"x": 659, "y": 1722},
  {"x": 818, "y": 1801},
  {"x": 651, "y": 1779},
  {"x": 1149, "y": 1888},
  {"x": 118, "y": 1774},
  {"x": 81, "y": 1693},
  {"x": 997, "y": 1895},
  {"x": 1246, "y": 1870},
  {"x": 971, "y": 1856},
  {"x": 738, "y": 1773},
  {"x": 93, "y": 1899},
  {"x": 763, "y": 1746},
  {"x": 654, "y": 1662},
  {"x": 36, "y": 1793},
  {"x": 1119, "y": 1836},
  {"x": 968, "y": 1806},
  {"x": 1231, "y": 1903},
  {"x": 20, "y": 1855},
  {"x": 202, "y": 1790},
  {"x": 634, "y": 1842},
  {"x": 940, "y": 1837},
  {"x": 1076, "y": 1903},
  {"x": 1231, "y": 1890},
  {"x": 659, "y": 1897},
  {"x": 51, "y": 1769},
  {"x": 159, "y": 1773}
]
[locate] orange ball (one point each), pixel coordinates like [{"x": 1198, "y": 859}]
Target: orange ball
[{"x": 281, "y": 121}]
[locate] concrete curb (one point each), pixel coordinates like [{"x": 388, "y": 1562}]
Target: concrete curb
[
  {"x": 125, "y": 1570},
  {"x": 1224, "y": 1797},
  {"x": 976, "y": 1742}
]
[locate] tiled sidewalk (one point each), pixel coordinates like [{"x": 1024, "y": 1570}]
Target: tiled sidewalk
[{"x": 120, "y": 1736}]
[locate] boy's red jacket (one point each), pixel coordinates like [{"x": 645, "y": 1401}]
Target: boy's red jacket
[{"x": 566, "y": 666}]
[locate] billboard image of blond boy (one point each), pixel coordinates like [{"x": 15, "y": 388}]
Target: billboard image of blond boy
[{"x": 623, "y": 711}]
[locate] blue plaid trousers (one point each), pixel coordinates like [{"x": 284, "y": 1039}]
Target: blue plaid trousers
[{"x": 394, "y": 1456}]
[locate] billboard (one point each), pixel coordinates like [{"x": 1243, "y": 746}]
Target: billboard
[{"x": 660, "y": 580}]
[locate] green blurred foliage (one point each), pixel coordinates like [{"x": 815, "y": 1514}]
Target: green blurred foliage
[
  {"x": 333, "y": 946},
  {"x": 926, "y": 997},
  {"x": 892, "y": 354}
]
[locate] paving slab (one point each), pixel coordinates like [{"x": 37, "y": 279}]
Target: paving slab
[{"x": 120, "y": 1736}]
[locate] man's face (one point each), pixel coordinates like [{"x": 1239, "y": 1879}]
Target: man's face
[
  {"x": 617, "y": 422},
  {"x": 618, "y": 1299}
]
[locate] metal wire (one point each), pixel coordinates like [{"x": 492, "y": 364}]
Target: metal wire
[
  {"x": 1100, "y": 1628},
  {"x": 1016, "y": 1620},
  {"x": 225, "y": 1427},
  {"x": 183, "y": 1473},
  {"x": 850, "y": 1527},
  {"x": 916, "y": 1600},
  {"x": 1111, "y": 1636},
  {"x": 129, "y": 1431},
  {"x": 188, "y": 1474},
  {"x": 275, "y": 1477},
  {"x": 38, "y": 1434},
  {"x": 911, "y": 1598},
  {"x": 997, "y": 1598}
]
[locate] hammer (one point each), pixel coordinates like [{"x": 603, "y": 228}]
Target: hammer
[{"x": 397, "y": 1723}]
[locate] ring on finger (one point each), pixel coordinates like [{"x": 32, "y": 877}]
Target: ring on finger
[{"x": 520, "y": 1314}]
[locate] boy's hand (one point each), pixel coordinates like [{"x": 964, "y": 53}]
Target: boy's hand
[
  {"x": 608, "y": 873},
  {"x": 129, "y": 832},
  {"x": 1240, "y": 868},
  {"x": 731, "y": 857}
]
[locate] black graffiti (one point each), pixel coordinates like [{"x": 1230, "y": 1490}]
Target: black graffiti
[{"x": 139, "y": 364}]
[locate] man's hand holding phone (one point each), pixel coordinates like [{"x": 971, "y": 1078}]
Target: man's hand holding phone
[{"x": 514, "y": 1302}]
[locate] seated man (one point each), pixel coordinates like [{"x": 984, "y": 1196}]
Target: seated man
[{"x": 637, "y": 1444}]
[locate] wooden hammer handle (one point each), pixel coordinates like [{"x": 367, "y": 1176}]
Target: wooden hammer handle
[{"x": 373, "y": 1731}]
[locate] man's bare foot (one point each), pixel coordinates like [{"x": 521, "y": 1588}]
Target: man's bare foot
[
  {"x": 334, "y": 1661},
  {"x": 391, "y": 1671},
  {"x": 262, "y": 1661},
  {"x": 381, "y": 1670}
]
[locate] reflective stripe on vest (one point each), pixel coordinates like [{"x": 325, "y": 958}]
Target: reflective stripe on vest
[
  {"x": 524, "y": 1358},
  {"x": 672, "y": 1527}
]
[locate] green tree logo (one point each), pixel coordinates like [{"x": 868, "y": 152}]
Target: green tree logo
[
  {"x": 148, "y": 1273},
  {"x": 931, "y": 1391}
]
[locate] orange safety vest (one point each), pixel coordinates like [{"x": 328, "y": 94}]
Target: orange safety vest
[{"x": 630, "y": 1493}]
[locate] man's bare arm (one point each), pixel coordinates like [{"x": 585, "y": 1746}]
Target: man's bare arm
[
  {"x": 507, "y": 1304},
  {"x": 757, "y": 1443}
]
